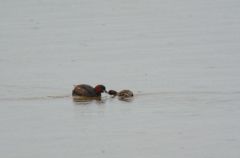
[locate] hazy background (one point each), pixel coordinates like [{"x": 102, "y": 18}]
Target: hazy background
[{"x": 181, "y": 59}]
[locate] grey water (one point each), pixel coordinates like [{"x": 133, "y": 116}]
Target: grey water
[{"x": 180, "y": 58}]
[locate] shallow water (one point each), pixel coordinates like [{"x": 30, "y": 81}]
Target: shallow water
[{"x": 181, "y": 60}]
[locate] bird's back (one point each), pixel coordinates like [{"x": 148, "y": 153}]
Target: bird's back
[
  {"x": 84, "y": 90},
  {"x": 125, "y": 93}
]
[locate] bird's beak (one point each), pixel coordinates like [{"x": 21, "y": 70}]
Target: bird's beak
[{"x": 105, "y": 91}]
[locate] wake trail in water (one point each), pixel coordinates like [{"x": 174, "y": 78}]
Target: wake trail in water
[
  {"x": 137, "y": 94},
  {"x": 34, "y": 98}
]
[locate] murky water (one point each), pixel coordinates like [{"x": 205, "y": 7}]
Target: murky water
[{"x": 181, "y": 59}]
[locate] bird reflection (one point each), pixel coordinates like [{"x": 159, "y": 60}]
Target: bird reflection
[{"x": 79, "y": 100}]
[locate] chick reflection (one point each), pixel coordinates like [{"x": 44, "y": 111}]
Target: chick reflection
[{"x": 125, "y": 99}]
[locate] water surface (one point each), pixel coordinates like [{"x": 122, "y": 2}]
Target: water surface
[{"x": 181, "y": 59}]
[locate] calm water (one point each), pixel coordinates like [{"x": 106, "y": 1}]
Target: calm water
[{"x": 181, "y": 59}]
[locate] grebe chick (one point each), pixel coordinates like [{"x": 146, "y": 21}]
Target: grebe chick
[{"x": 122, "y": 94}]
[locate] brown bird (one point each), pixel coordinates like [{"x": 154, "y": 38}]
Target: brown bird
[{"x": 85, "y": 90}]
